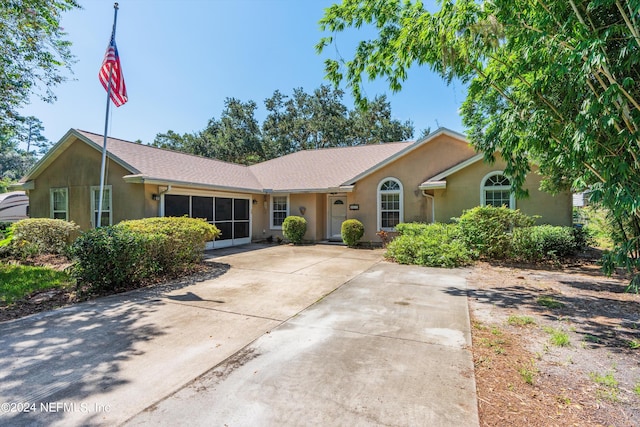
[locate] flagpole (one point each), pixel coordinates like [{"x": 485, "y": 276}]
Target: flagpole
[{"x": 106, "y": 126}]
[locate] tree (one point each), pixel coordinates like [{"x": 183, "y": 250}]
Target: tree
[
  {"x": 14, "y": 162},
  {"x": 186, "y": 143},
  {"x": 372, "y": 124},
  {"x": 320, "y": 120},
  {"x": 236, "y": 137},
  {"x": 302, "y": 121},
  {"x": 305, "y": 121},
  {"x": 29, "y": 133},
  {"x": 552, "y": 82},
  {"x": 34, "y": 53}
]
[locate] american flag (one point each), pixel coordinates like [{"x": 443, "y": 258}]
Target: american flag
[{"x": 111, "y": 67}]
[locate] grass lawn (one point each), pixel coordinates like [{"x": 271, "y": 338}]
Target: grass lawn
[{"x": 18, "y": 281}]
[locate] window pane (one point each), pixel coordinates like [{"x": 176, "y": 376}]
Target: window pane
[
  {"x": 105, "y": 218},
  {"x": 496, "y": 180},
  {"x": 105, "y": 199},
  {"x": 240, "y": 209},
  {"x": 280, "y": 203},
  {"x": 202, "y": 207},
  {"x": 60, "y": 215},
  {"x": 59, "y": 200},
  {"x": 223, "y": 209},
  {"x": 176, "y": 205},
  {"x": 390, "y": 201},
  {"x": 227, "y": 230},
  {"x": 390, "y": 219},
  {"x": 498, "y": 198},
  {"x": 278, "y": 218},
  {"x": 240, "y": 230},
  {"x": 390, "y": 186}
]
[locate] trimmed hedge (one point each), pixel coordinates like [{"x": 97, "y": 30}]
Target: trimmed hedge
[
  {"x": 34, "y": 236},
  {"x": 495, "y": 233},
  {"x": 487, "y": 229},
  {"x": 120, "y": 257},
  {"x": 543, "y": 242},
  {"x": 294, "y": 228},
  {"x": 352, "y": 231},
  {"x": 184, "y": 239},
  {"x": 431, "y": 245},
  {"x": 113, "y": 258}
]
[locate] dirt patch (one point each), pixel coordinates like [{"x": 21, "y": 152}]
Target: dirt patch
[{"x": 555, "y": 346}]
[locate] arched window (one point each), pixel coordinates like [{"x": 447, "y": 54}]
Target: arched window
[
  {"x": 495, "y": 190},
  {"x": 390, "y": 204}
]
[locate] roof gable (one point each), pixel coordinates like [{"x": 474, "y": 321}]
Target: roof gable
[
  {"x": 439, "y": 180},
  {"x": 160, "y": 165},
  {"x": 60, "y": 147},
  {"x": 402, "y": 153},
  {"x": 147, "y": 163}
]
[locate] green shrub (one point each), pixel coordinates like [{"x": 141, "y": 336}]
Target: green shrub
[
  {"x": 181, "y": 243},
  {"x": 486, "y": 229},
  {"x": 351, "y": 230},
  {"x": 294, "y": 228},
  {"x": 42, "y": 236},
  {"x": 432, "y": 245},
  {"x": 111, "y": 258},
  {"x": 543, "y": 242},
  {"x": 415, "y": 228},
  {"x": 120, "y": 257}
]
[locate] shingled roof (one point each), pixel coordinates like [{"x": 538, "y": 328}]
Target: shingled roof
[
  {"x": 317, "y": 170},
  {"x": 156, "y": 164}
]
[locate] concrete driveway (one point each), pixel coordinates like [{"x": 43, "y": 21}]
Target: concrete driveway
[{"x": 268, "y": 342}]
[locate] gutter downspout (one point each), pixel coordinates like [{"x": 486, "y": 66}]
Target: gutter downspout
[{"x": 161, "y": 205}]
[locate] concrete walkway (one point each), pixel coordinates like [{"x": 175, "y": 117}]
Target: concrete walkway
[{"x": 258, "y": 345}]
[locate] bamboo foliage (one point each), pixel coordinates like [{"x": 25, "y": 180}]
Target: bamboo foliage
[{"x": 556, "y": 82}]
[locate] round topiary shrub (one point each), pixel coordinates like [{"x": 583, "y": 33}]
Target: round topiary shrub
[
  {"x": 352, "y": 230},
  {"x": 294, "y": 228}
]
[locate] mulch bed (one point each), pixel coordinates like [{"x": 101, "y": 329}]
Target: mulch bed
[{"x": 602, "y": 323}]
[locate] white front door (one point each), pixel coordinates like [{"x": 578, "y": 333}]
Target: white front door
[{"x": 337, "y": 215}]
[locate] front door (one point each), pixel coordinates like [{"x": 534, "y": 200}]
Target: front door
[{"x": 337, "y": 215}]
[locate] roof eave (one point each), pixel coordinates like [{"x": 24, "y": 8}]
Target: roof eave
[
  {"x": 433, "y": 185},
  {"x": 29, "y": 185},
  {"x": 340, "y": 189},
  {"x": 143, "y": 179}
]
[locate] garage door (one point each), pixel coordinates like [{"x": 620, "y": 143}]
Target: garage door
[{"x": 231, "y": 215}]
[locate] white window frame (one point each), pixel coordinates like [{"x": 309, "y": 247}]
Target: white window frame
[
  {"x": 379, "y": 201},
  {"x": 52, "y": 191},
  {"x": 484, "y": 188},
  {"x": 94, "y": 204},
  {"x": 271, "y": 210}
]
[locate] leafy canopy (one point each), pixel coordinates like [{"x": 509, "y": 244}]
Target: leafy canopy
[{"x": 34, "y": 53}]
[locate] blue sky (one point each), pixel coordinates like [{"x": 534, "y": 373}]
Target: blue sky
[{"x": 181, "y": 59}]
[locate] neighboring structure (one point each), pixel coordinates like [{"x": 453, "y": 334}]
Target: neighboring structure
[
  {"x": 14, "y": 206},
  {"x": 433, "y": 179}
]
